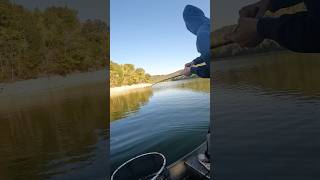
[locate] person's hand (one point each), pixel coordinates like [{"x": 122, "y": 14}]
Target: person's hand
[
  {"x": 246, "y": 34},
  {"x": 189, "y": 64},
  {"x": 255, "y": 10},
  {"x": 187, "y": 71}
]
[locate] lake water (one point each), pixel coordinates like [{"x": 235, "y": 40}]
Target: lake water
[
  {"x": 267, "y": 117},
  {"x": 171, "y": 118},
  {"x": 56, "y": 134}
]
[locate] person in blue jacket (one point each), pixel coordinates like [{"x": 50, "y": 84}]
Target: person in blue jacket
[
  {"x": 198, "y": 24},
  {"x": 297, "y": 32}
]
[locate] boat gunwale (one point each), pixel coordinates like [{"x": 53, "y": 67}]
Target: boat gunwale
[
  {"x": 179, "y": 169},
  {"x": 187, "y": 155}
]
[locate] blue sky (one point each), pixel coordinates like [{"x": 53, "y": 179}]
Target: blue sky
[{"x": 151, "y": 34}]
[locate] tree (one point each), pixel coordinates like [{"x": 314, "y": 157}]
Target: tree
[
  {"x": 127, "y": 74},
  {"x": 53, "y": 41}
]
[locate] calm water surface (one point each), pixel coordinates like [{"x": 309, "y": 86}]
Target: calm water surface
[
  {"x": 267, "y": 117},
  {"x": 55, "y": 135},
  {"x": 171, "y": 118}
]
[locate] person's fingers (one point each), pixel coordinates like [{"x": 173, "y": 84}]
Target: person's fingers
[
  {"x": 242, "y": 43},
  {"x": 185, "y": 71},
  {"x": 254, "y": 42},
  {"x": 249, "y": 11},
  {"x": 246, "y": 13},
  {"x": 263, "y": 9},
  {"x": 242, "y": 20},
  {"x": 246, "y": 44},
  {"x": 243, "y": 12},
  {"x": 235, "y": 33},
  {"x": 261, "y": 13},
  {"x": 229, "y": 36}
]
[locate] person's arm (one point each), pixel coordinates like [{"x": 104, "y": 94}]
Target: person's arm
[
  {"x": 297, "y": 32},
  {"x": 203, "y": 45},
  {"x": 275, "y": 5},
  {"x": 201, "y": 71},
  {"x": 197, "y": 60}
]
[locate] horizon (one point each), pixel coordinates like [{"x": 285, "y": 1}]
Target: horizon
[{"x": 148, "y": 38}]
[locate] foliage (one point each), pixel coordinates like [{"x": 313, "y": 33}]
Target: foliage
[
  {"x": 53, "y": 41},
  {"x": 127, "y": 74}
]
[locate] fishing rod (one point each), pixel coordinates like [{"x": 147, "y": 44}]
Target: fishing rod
[
  {"x": 218, "y": 45},
  {"x": 167, "y": 79},
  {"x": 225, "y": 43}
]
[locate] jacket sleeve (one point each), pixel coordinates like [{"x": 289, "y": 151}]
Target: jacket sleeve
[
  {"x": 202, "y": 71},
  {"x": 203, "y": 46},
  {"x": 275, "y": 5},
  {"x": 297, "y": 32}
]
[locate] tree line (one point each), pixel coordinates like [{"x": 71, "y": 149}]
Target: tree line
[
  {"x": 127, "y": 74},
  {"x": 47, "y": 42}
]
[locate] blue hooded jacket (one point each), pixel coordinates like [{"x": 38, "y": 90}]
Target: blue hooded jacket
[{"x": 198, "y": 24}]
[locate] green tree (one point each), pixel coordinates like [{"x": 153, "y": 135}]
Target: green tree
[
  {"x": 52, "y": 41},
  {"x": 127, "y": 74}
]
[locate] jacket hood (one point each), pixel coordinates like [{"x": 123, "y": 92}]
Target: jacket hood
[{"x": 194, "y": 18}]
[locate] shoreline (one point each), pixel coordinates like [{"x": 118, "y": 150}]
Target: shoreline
[
  {"x": 123, "y": 89},
  {"x": 55, "y": 83},
  {"x": 51, "y": 90},
  {"x": 52, "y": 83}
]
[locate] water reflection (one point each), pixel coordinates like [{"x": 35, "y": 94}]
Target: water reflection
[
  {"x": 58, "y": 134},
  {"x": 280, "y": 72},
  {"x": 124, "y": 104},
  {"x": 266, "y": 117},
  {"x": 171, "y": 118},
  {"x": 198, "y": 85}
]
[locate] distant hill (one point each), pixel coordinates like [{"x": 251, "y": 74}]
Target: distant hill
[
  {"x": 157, "y": 78},
  {"x": 235, "y": 50}
]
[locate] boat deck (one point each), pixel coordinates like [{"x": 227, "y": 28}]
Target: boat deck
[{"x": 194, "y": 165}]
